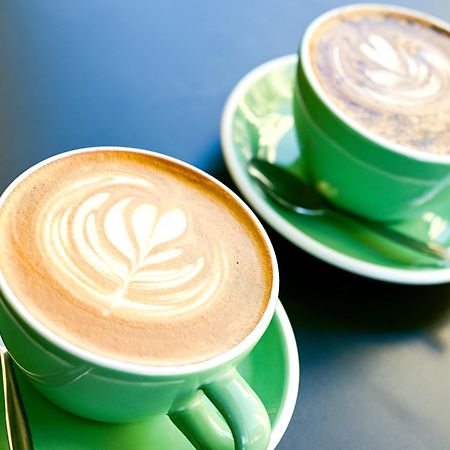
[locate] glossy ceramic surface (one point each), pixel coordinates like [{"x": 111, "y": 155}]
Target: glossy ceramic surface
[
  {"x": 258, "y": 121},
  {"x": 272, "y": 369}
]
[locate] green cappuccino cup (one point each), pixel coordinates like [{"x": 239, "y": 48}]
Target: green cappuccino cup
[
  {"x": 121, "y": 300},
  {"x": 372, "y": 110}
]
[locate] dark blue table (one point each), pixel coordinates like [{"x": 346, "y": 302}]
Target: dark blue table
[{"x": 375, "y": 357}]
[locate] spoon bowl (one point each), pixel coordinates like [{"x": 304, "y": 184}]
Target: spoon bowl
[{"x": 286, "y": 189}]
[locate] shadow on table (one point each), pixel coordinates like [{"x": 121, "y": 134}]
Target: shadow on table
[{"x": 319, "y": 295}]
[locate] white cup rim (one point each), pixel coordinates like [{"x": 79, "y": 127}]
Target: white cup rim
[
  {"x": 134, "y": 368},
  {"x": 309, "y": 73}
]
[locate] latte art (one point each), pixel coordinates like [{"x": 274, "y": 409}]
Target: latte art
[
  {"x": 135, "y": 257},
  {"x": 388, "y": 72},
  {"x": 101, "y": 236},
  {"x": 393, "y": 75}
]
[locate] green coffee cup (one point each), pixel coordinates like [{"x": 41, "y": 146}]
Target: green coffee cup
[
  {"x": 205, "y": 400},
  {"x": 354, "y": 167}
]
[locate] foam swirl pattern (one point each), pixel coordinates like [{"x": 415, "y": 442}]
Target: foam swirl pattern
[
  {"x": 389, "y": 73},
  {"x": 102, "y": 237}
]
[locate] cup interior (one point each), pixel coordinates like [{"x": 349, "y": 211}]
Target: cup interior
[
  {"x": 144, "y": 369},
  {"x": 307, "y": 66}
]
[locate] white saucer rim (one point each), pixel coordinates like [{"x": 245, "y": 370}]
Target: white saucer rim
[
  {"x": 290, "y": 232},
  {"x": 293, "y": 383}
]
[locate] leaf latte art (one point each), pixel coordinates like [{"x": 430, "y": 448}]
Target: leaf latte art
[
  {"x": 392, "y": 75},
  {"x": 101, "y": 236},
  {"x": 389, "y": 72}
]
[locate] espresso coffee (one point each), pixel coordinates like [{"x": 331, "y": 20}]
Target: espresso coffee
[
  {"x": 134, "y": 257},
  {"x": 389, "y": 72}
]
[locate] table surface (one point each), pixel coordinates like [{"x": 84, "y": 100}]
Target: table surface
[{"x": 375, "y": 357}]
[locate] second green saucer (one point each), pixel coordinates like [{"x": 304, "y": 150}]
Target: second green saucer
[{"x": 258, "y": 122}]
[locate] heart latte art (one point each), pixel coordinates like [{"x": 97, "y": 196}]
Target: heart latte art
[
  {"x": 103, "y": 237},
  {"x": 135, "y": 257},
  {"x": 389, "y": 72}
]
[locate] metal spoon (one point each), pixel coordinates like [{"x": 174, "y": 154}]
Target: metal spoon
[
  {"x": 17, "y": 427},
  {"x": 292, "y": 193}
]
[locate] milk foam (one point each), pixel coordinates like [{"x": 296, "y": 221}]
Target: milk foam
[
  {"x": 390, "y": 73},
  {"x": 395, "y": 77},
  {"x": 102, "y": 227}
]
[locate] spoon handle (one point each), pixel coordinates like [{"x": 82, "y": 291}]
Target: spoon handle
[
  {"x": 429, "y": 248},
  {"x": 17, "y": 427},
  {"x": 285, "y": 189}
]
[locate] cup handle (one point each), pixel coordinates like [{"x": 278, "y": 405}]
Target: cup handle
[{"x": 228, "y": 400}]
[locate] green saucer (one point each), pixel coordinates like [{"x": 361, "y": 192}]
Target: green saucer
[
  {"x": 272, "y": 369},
  {"x": 258, "y": 121}
]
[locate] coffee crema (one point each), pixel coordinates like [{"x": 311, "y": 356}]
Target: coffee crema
[
  {"x": 134, "y": 257},
  {"x": 389, "y": 72}
]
